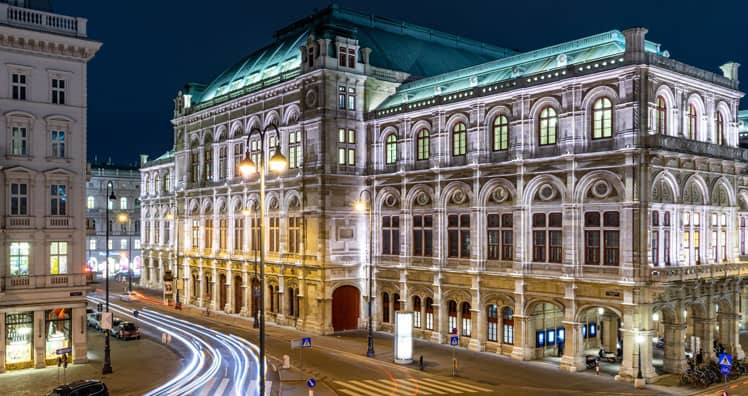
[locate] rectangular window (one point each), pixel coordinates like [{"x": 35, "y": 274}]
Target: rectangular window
[
  {"x": 255, "y": 234},
  {"x": 222, "y": 160},
  {"x": 500, "y": 236},
  {"x": 19, "y": 199},
  {"x": 423, "y": 235},
  {"x": 91, "y": 244},
  {"x": 341, "y": 98},
  {"x": 238, "y": 234},
  {"x": 351, "y": 57},
  {"x": 136, "y": 244},
  {"x": 57, "y": 143},
  {"x": 19, "y": 258},
  {"x": 601, "y": 238},
  {"x": 294, "y": 234},
  {"x": 238, "y": 156},
  {"x": 194, "y": 161},
  {"x": 391, "y": 235},
  {"x": 18, "y": 86},
  {"x": 58, "y": 91},
  {"x": 294, "y": 149},
  {"x": 208, "y": 234},
  {"x": 351, "y": 99},
  {"x": 274, "y": 239},
  {"x": 342, "y": 55},
  {"x": 346, "y": 147},
  {"x": 195, "y": 234},
  {"x": 109, "y": 244},
  {"x": 222, "y": 234},
  {"x": 58, "y": 257},
  {"x": 547, "y": 237},
  {"x": 429, "y": 314},
  {"x": 19, "y": 141},
  {"x": 458, "y": 235},
  {"x": 123, "y": 203},
  {"x": 655, "y": 247},
  {"x": 58, "y": 199},
  {"x": 208, "y": 164}
]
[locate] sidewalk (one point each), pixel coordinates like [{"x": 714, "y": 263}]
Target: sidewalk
[{"x": 138, "y": 365}]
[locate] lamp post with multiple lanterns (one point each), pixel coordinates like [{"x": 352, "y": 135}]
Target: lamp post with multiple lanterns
[
  {"x": 107, "y": 369},
  {"x": 123, "y": 218},
  {"x": 365, "y": 205},
  {"x": 277, "y": 163}
]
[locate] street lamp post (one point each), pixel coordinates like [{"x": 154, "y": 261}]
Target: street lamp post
[
  {"x": 639, "y": 382},
  {"x": 123, "y": 218},
  {"x": 362, "y": 205},
  {"x": 277, "y": 164},
  {"x": 107, "y": 369}
]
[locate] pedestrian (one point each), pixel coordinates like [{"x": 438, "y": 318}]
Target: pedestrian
[
  {"x": 597, "y": 367},
  {"x": 207, "y": 311}
]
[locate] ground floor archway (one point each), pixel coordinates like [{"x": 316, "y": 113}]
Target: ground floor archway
[
  {"x": 237, "y": 294},
  {"x": 345, "y": 308}
]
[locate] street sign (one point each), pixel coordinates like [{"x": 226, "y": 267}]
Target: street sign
[
  {"x": 454, "y": 340},
  {"x": 306, "y": 342},
  {"x": 295, "y": 344},
  {"x": 725, "y": 370},
  {"x": 106, "y": 320},
  {"x": 63, "y": 351},
  {"x": 311, "y": 382},
  {"x": 725, "y": 359}
]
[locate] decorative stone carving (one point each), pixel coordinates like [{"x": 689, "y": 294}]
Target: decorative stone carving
[
  {"x": 390, "y": 201},
  {"x": 499, "y": 194},
  {"x": 310, "y": 98},
  {"x": 459, "y": 197},
  {"x": 546, "y": 192},
  {"x": 423, "y": 199},
  {"x": 601, "y": 189}
]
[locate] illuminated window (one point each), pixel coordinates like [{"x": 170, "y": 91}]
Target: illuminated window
[
  {"x": 294, "y": 149},
  {"x": 492, "y": 312},
  {"x": 91, "y": 244},
  {"x": 58, "y": 258},
  {"x": 692, "y": 122},
  {"x": 691, "y": 231},
  {"x": 547, "y": 126},
  {"x": 123, "y": 203},
  {"x": 459, "y": 139},
  {"x": 507, "y": 320},
  {"x": 661, "y": 115},
  {"x": 602, "y": 119},
  {"x": 346, "y": 147},
  {"x": 467, "y": 322},
  {"x": 500, "y": 133},
  {"x": 19, "y": 258},
  {"x": 90, "y": 202},
  {"x": 423, "y": 145},
  {"x": 391, "y": 149}
]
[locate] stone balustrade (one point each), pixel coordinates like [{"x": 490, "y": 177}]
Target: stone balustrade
[{"x": 43, "y": 21}]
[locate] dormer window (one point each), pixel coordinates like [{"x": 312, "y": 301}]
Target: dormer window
[{"x": 346, "y": 57}]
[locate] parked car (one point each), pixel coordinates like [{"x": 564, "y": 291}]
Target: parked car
[
  {"x": 126, "y": 331},
  {"x": 115, "y": 322},
  {"x": 94, "y": 320},
  {"x": 81, "y": 388},
  {"x": 128, "y": 296}
]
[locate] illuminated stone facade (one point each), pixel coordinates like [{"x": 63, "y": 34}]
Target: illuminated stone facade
[{"x": 539, "y": 204}]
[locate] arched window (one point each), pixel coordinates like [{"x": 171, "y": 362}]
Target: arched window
[
  {"x": 90, "y": 203},
  {"x": 417, "y": 312},
  {"x": 459, "y": 139},
  {"x": 429, "y": 312},
  {"x": 602, "y": 119},
  {"x": 493, "y": 322},
  {"x": 452, "y": 317},
  {"x": 692, "y": 122},
  {"x": 423, "y": 145},
  {"x": 719, "y": 128},
  {"x": 467, "y": 323},
  {"x": 507, "y": 320},
  {"x": 391, "y": 149},
  {"x": 385, "y": 307},
  {"x": 661, "y": 115},
  {"x": 547, "y": 126},
  {"x": 500, "y": 133}
]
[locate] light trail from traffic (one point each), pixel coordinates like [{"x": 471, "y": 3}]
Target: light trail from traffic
[{"x": 205, "y": 352}]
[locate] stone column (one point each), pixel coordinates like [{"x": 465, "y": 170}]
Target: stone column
[
  {"x": 524, "y": 344},
  {"x": 214, "y": 286},
  {"x": 78, "y": 335},
  {"x": 39, "y": 340},
  {"x": 573, "y": 359},
  {"x": 480, "y": 328},
  {"x": 636, "y": 316},
  {"x": 675, "y": 357},
  {"x": 201, "y": 286},
  {"x": 2, "y": 342},
  {"x": 610, "y": 336}
]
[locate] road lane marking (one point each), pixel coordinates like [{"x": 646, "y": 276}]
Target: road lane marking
[
  {"x": 207, "y": 387},
  {"x": 357, "y": 391},
  {"x": 479, "y": 389},
  {"x": 388, "y": 386},
  {"x": 222, "y": 386}
]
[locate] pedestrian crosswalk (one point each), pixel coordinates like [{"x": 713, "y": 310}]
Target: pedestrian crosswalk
[{"x": 405, "y": 387}]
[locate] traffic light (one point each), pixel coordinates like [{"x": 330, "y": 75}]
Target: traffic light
[{"x": 100, "y": 307}]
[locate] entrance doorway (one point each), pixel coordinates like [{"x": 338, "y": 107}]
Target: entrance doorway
[
  {"x": 237, "y": 294},
  {"x": 222, "y": 292},
  {"x": 345, "y": 308}
]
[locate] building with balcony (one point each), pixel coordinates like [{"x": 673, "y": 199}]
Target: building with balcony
[
  {"x": 538, "y": 204},
  {"x": 124, "y": 220},
  {"x": 42, "y": 215}
]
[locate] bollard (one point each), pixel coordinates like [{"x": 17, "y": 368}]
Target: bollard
[
  {"x": 420, "y": 363},
  {"x": 286, "y": 362}
]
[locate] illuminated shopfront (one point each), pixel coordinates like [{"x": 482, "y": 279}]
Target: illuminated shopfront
[
  {"x": 57, "y": 324},
  {"x": 19, "y": 345}
]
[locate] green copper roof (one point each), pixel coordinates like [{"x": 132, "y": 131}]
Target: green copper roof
[
  {"x": 743, "y": 121},
  {"x": 395, "y": 45},
  {"x": 559, "y": 56}
]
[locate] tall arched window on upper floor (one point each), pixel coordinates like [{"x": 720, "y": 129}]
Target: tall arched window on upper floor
[
  {"x": 459, "y": 139},
  {"x": 692, "y": 131},
  {"x": 500, "y": 133},
  {"x": 423, "y": 145},
  {"x": 719, "y": 128},
  {"x": 391, "y": 149},
  {"x": 547, "y": 126},
  {"x": 602, "y": 118},
  {"x": 661, "y": 118}
]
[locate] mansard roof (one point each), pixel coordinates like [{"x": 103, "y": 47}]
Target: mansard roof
[
  {"x": 416, "y": 50},
  {"x": 553, "y": 58}
]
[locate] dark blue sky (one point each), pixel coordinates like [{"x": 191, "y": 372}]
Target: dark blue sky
[{"x": 151, "y": 48}]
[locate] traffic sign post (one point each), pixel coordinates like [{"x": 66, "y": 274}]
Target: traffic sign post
[
  {"x": 725, "y": 364},
  {"x": 305, "y": 342},
  {"x": 311, "y": 383},
  {"x": 454, "y": 340}
]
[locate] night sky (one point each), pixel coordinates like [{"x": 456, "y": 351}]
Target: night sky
[{"x": 151, "y": 48}]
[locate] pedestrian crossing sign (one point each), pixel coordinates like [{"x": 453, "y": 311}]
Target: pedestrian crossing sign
[
  {"x": 725, "y": 359},
  {"x": 454, "y": 340},
  {"x": 306, "y": 342}
]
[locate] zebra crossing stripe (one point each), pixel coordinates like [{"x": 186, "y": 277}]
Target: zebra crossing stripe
[
  {"x": 444, "y": 385},
  {"x": 356, "y": 389},
  {"x": 208, "y": 387},
  {"x": 347, "y": 392},
  {"x": 414, "y": 388},
  {"x": 430, "y": 388},
  {"x": 477, "y": 388},
  {"x": 379, "y": 388},
  {"x": 391, "y": 388}
]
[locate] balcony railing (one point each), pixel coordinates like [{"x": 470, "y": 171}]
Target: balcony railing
[
  {"x": 693, "y": 272},
  {"x": 689, "y": 146},
  {"x": 43, "y": 281},
  {"x": 19, "y": 222},
  {"x": 40, "y": 20},
  {"x": 58, "y": 222}
]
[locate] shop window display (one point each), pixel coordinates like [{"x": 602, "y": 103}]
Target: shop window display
[
  {"x": 57, "y": 325},
  {"x": 19, "y": 336}
]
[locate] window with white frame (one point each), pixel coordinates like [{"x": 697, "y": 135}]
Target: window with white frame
[
  {"x": 492, "y": 325},
  {"x": 19, "y": 143},
  {"x": 58, "y": 91},
  {"x": 18, "y": 85},
  {"x": 18, "y": 259},
  {"x": 57, "y": 143},
  {"x": 391, "y": 149},
  {"x": 58, "y": 199},
  {"x": 294, "y": 149},
  {"x": 123, "y": 203},
  {"x": 90, "y": 202},
  {"x": 346, "y": 57},
  {"x": 92, "y": 244},
  {"x": 58, "y": 258},
  {"x": 718, "y": 245},
  {"x": 691, "y": 231},
  {"x": 123, "y": 244},
  {"x": 19, "y": 199},
  {"x": 109, "y": 244},
  {"x": 136, "y": 244}
]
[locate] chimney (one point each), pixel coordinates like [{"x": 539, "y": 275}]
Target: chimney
[
  {"x": 143, "y": 159},
  {"x": 730, "y": 70},
  {"x": 634, "y": 43}
]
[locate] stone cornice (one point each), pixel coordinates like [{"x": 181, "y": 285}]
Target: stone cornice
[{"x": 48, "y": 44}]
